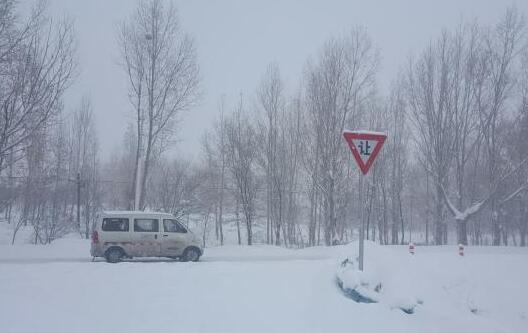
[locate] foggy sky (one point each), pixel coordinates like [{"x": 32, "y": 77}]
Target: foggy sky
[{"x": 237, "y": 39}]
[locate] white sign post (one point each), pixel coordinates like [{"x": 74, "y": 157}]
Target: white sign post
[{"x": 365, "y": 147}]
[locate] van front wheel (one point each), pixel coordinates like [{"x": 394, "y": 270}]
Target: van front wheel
[
  {"x": 114, "y": 254},
  {"x": 190, "y": 254}
]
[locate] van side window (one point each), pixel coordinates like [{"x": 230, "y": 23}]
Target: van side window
[
  {"x": 115, "y": 224},
  {"x": 173, "y": 226},
  {"x": 146, "y": 225}
]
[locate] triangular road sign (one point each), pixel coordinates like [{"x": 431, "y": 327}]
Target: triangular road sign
[{"x": 365, "y": 146}]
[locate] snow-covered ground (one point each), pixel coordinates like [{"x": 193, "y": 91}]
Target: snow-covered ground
[{"x": 57, "y": 288}]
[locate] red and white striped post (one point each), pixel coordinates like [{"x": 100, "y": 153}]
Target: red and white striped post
[
  {"x": 461, "y": 250},
  {"x": 411, "y": 248}
]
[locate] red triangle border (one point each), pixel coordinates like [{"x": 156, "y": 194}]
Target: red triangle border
[{"x": 351, "y": 135}]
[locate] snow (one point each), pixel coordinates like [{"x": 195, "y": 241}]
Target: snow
[
  {"x": 261, "y": 288},
  {"x": 463, "y": 216},
  {"x": 364, "y": 132},
  {"x": 133, "y": 212}
]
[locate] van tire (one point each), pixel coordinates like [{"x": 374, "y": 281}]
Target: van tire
[
  {"x": 114, "y": 254},
  {"x": 191, "y": 254}
]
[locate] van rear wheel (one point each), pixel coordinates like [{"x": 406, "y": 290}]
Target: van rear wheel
[
  {"x": 114, "y": 254},
  {"x": 190, "y": 254}
]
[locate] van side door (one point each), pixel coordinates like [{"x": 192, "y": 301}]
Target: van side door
[
  {"x": 175, "y": 238},
  {"x": 145, "y": 237}
]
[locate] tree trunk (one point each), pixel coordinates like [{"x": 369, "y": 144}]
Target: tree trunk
[
  {"x": 495, "y": 225},
  {"x": 402, "y": 240},
  {"x": 523, "y": 235},
  {"x": 427, "y": 209},
  {"x": 269, "y": 229},
  {"x": 221, "y": 209},
  {"x": 146, "y": 169},
  {"x": 87, "y": 220},
  {"x": 439, "y": 228},
  {"x": 313, "y": 212},
  {"x": 249, "y": 231},
  {"x": 238, "y": 222},
  {"x": 462, "y": 232}
]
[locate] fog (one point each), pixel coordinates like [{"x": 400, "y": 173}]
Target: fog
[{"x": 237, "y": 39}]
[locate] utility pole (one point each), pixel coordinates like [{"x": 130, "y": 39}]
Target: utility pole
[
  {"x": 78, "y": 181},
  {"x": 137, "y": 194}
]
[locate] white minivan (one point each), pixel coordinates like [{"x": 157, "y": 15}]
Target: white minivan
[{"x": 127, "y": 234}]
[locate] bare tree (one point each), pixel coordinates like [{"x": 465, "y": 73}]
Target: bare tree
[
  {"x": 457, "y": 71},
  {"x": 37, "y": 61},
  {"x": 430, "y": 89},
  {"x": 396, "y": 150},
  {"x": 160, "y": 62},
  {"x": 215, "y": 159},
  {"x": 85, "y": 163},
  {"x": 503, "y": 46},
  {"x": 290, "y": 158},
  {"x": 242, "y": 153},
  {"x": 457, "y": 95},
  {"x": 37, "y": 64},
  {"x": 271, "y": 101},
  {"x": 45, "y": 196},
  {"x": 336, "y": 87}
]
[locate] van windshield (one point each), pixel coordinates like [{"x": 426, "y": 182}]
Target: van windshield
[{"x": 170, "y": 225}]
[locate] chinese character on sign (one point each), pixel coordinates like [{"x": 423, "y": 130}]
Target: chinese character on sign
[{"x": 364, "y": 148}]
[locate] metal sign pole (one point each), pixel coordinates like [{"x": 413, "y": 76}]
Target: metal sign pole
[
  {"x": 365, "y": 148},
  {"x": 361, "y": 226}
]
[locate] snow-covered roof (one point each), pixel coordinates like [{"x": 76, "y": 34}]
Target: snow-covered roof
[{"x": 133, "y": 212}]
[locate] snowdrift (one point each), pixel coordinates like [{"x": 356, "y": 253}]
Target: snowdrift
[
  {"x": 437, "y": 282},
  {"x": 382, "y": 282}
]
